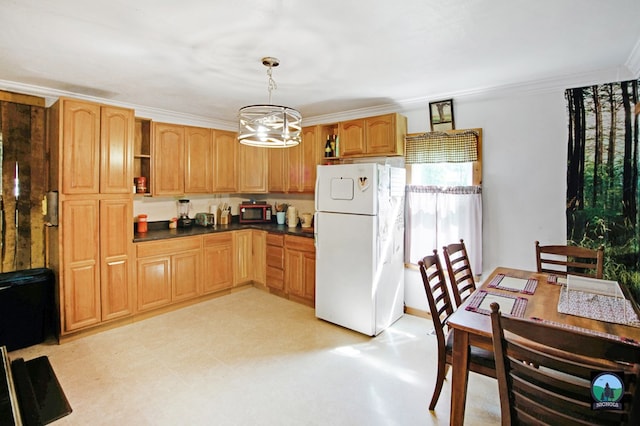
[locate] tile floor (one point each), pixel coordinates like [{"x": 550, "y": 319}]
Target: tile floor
[{"x": 251, "y": 358}]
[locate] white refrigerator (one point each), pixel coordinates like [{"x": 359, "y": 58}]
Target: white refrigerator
[{"x": 359, "y": 227}]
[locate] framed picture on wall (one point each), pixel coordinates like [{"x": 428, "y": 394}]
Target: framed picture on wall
[{"x": 441, "y": 115}]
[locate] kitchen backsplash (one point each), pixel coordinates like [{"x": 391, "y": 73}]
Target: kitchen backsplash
[{"x": 164, "y": 208}]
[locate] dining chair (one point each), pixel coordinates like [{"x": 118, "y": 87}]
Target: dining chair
[
  {"x": 562, "y": 260},
  {"x": 440, "y": 306},
  {"x": 459, "y": 268},
  {"x": 546, "y": 374}
]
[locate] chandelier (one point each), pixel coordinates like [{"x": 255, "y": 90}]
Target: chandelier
[{"x": 267, "y": 125}]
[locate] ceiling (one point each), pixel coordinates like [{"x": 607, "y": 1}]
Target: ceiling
[{"x": 203, "y": 57}]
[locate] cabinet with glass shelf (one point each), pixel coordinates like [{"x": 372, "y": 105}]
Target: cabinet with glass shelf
[{"x": 142, "y": 153}]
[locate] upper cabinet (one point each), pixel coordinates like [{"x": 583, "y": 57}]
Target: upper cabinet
[
  {"x": 195, "y": 160},
  {"x": 352, "y": 138},
  {"x": 278, "y": 175},
  {"x": 198, "y": 168},
  {"x": 95, "y": 146},
  {"x": 303, "y": 160},
  {"x": 294, "y": 169},
  {"x": 252, "y": 168},
  {"x": 373, "y": 136},
  {"x": 116, "y": 150},
  {"x": 168, "y": 159},
  {"x": 225, "y": 157}
]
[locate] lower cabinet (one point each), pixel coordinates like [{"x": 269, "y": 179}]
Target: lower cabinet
[
  {"x": 179, "y": 269},
  {"x": 217, "y": 253},
  {"x": 242, "y": 256},
  {"x": 300, "y": 269},
  {"x": 95, "y": 277},
  {"x": 259, "y": 256},
  {"x": 275, "y": 262},
  {"x": 168, "y": 271}
]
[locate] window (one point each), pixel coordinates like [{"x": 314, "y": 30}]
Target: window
[{"x": 444, "y": 198}]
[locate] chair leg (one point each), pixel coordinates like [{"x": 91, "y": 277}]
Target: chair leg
[{"x": 443, "y": 368}]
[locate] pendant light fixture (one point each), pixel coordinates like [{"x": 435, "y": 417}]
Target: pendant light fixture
[{"x": 267, "y": 125}]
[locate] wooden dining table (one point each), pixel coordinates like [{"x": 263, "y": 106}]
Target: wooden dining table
[{"x": 472, "y": 328}]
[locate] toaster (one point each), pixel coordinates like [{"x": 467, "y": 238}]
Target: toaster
[{"x": 205, "y": 219}]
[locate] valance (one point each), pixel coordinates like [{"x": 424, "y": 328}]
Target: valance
[{"x": 442, "y": 147}]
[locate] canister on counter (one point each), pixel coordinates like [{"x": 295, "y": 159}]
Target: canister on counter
[
  {"x": 173, "y": 223},
  {"x": 142, "y": 223}
]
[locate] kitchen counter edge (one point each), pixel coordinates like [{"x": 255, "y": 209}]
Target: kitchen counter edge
[{"x": 163, "y": 234}]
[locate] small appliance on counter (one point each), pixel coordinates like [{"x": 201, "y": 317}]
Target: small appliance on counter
[
  {"x": 183, "y": 214},
  {"x": 254, "y": 212},
  {"x": 205, "y": 219}
]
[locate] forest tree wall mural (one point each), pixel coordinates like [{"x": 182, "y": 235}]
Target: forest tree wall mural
[{"x": 602, "y": 176}]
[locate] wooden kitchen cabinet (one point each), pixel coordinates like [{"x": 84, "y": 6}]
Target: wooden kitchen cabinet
[
  {"x": 116, "y": 150},
  {"x": 384, "y": 134},
  {"x": 154, "y": 282},
  {"x": 352, "y": 138},
  {"x": 80, "y": 144},
  {"x": 116, "y": 280},
  {"x": 381, "y": 135},
  {"x": 225, "y": 157},
  {"x": 92, "y": 147},
  {"x": 275, "y": 262},
  {"x": 185, "y": 274},
  {"x": 198, "y": 176},
  {"x": 300, "y": 269},
  {"x": 303, "y": 160},
  {"x": 294, "y": 169},
  {"x": 168, "y": 159},
  {"x": 168, "y": 271},
  {"x": 259, "y": 256},
  {"x": 217, "y": 262},
  {"x": 243, "y": 256},
  {"x": 278, "y": 175},
  {"x": 91, "y": 157},
  {"x": 252, "y": 169},
  {"x": 80, "y": 268}
]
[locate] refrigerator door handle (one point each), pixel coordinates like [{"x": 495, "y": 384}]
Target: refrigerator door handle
[{"x": 315, "y": 229}]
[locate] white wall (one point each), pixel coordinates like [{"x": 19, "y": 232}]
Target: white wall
[{"x": 524, "y": 176}]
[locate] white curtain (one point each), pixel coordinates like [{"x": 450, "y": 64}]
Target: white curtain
[{"x": 437, "y": 216}]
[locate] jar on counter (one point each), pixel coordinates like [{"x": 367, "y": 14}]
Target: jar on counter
[
  {"x": 173, "y": 223},
  {"x": 142, "y": 223}
]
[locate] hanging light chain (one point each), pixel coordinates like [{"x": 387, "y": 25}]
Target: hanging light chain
[{"x": 271, "y": 83}]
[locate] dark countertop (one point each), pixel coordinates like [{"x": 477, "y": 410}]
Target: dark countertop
[{"x": 160, "y": 230}]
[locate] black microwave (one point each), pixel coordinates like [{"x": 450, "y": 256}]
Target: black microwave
[{"x": 255, "y": 213}]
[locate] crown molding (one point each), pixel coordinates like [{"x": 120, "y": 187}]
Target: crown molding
[
  {"x": 157, "y": 114},
  {"x": 544, "y": 85},
  {"x": 629, "y": 71}
]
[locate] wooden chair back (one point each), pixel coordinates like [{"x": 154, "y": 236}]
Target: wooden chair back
[
  {"x": 441, "y": 307},
  {"x": 545, "y": 373},
  {"x": 435, "y": 286},
  {"x": 459, "y": 269},
  {"x": 562, "y": 260}
]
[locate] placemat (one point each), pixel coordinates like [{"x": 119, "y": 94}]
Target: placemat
[
  {"x": 587, "y": 331},
  {"x": 481, "y": 301},
  {"x": 520, "y": 285},
  {"x": 598, "y": 307}
]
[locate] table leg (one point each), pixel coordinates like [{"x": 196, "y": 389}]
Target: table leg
[{"x": 459, "y": 376}]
